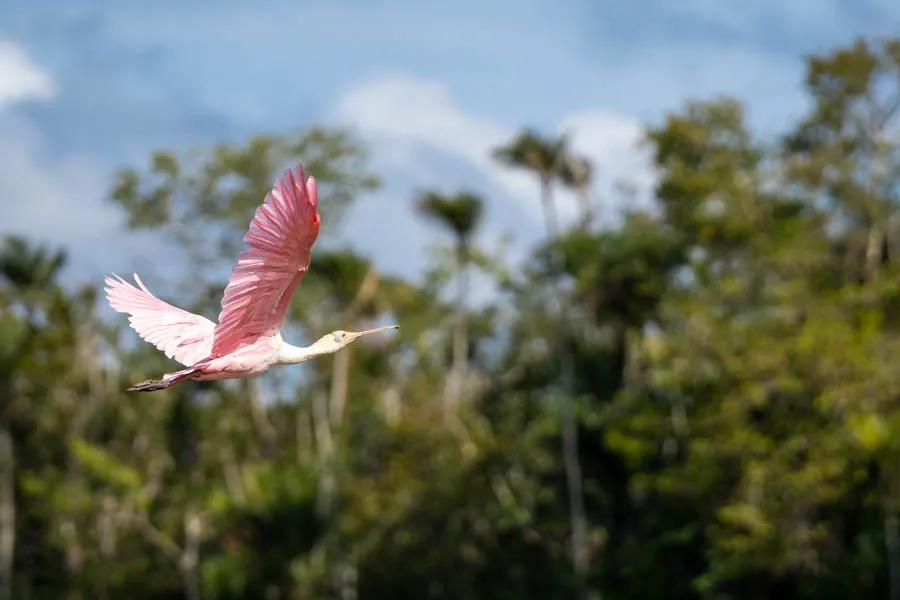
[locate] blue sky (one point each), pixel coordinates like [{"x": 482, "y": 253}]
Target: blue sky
[{"x": 86, "y": 87}]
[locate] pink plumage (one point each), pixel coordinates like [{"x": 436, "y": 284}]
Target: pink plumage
[
  {"x": 265, "y": 276},
  {"x": 246, "y": 340},
  {"x": 181, "y": 335}
]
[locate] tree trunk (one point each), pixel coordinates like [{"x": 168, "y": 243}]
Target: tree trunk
[
  {"x": 551, "y": 222},
  {"x": 187, "y": 558},
  {"x": 7, "y": 510},
  {"x": 340, "y": 375},
  {"x": 261, "y": 423},
  {"x": 891, "y": 243},
  {"x": 326, "y": 501},
  {"x": 587, "y": 211},
  {"x": 107, "y": 527},
  {"x": 574, "y": 478},
  {"x": 304, "y": 432},
  {"x": 190, "y": 556},
  {"x": 73, "y": 557},
  {"x": 459, "y": 367},
  {"x": 343, "y": 578},
  {"x": 324, "y": 455},
  {"x": 347, "y": 576},
  {"x": 231, "y": 475},
  {"x": 892, "y": 544},
  {"x": 874, "y": 249},
  {"x": 571, "y": 458}
]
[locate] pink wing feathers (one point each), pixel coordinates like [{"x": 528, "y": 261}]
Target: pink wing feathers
[
  {"x": 182, "y": 335},
  {"x": 265, "y": 276}
]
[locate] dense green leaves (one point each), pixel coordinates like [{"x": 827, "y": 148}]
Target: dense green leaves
[
  {"x": 731, "y": 357},
  {"x": 460, "y": 212}
]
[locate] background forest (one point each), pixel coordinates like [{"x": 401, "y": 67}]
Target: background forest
[{"x": 702, "y": 400}]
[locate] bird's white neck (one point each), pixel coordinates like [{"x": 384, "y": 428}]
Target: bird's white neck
[{"x": 291, "y": 355}]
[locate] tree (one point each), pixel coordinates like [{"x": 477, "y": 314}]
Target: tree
[
  {"x": 726, "y": 360},
  {"x": 542, "y": 157},
  {"x": 576, "y": 172},
  {"x": 30, "y": 273},
  {"x": 845, "y": 153},
  {"x": 461, "y": 214},
  {"x": 225, "y": 184},
  {"x": 211, "y": 196}
]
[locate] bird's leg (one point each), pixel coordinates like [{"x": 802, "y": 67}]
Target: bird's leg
[
  {"x": 151, "y": 385},
  {"x": 168, "y": 380}
]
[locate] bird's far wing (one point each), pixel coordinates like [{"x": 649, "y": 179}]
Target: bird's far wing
[
  {"x": 263, "y": 280},
  {"x": 182, "y": 335}
]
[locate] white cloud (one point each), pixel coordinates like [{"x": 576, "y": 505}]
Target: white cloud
[
  {"x": 20, "y": 78},
  {"x": 420, "y": 136},
  {"x": 419, "y": 110},
  {"x": 61, "y": 201},
  {"x": 622, "y": 160},
  {"x": 400, "y": 111},
  {"x": 58, "y": 200},
  {"x": 405, "y": 110}
]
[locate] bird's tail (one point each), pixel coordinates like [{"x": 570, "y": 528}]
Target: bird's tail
[{"x": 168, "y": 380}]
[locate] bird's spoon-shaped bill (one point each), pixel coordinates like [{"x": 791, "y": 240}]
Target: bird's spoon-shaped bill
[{"x": 358, "y": 334}]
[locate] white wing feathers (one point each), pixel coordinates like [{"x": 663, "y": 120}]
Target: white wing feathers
[{"x": 180, "y": 334}]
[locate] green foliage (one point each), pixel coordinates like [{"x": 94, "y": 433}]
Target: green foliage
[
  {"x": 102, "y": 465},
  {"x": 223, "y": 186},
  {"x": 622, "y": 275},
  {"x": 734, "y": 385},
  {"x": 530, "y": 150},
  {"x": 575, "y": 171},
  {"x": 24, "y": 267},
  {"x": 460, "y": 212}
]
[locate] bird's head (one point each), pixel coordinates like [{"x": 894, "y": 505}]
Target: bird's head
[{"x": 341, "y": 338}]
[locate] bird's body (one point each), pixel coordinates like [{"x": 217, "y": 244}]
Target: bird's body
[{"x": 247, "y": 340}]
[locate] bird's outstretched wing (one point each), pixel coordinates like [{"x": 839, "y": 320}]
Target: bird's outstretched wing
[
  {"x": 265, "y": 276},
  {"x": 182, "y": 335}
]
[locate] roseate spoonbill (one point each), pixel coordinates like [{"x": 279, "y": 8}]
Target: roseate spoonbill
[{"x": 247, "y": 339}]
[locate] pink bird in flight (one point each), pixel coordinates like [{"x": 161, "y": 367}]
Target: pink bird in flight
[{"x": 247, "y": 339}]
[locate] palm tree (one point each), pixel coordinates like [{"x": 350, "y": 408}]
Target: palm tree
[
  {"x": 30, "y": 273},
  {"x": 543, "y": 157},
  {"x": 461, "y": 214},
  {"x": 576, "y": 173},
  {"x": 350, "y": 281}
]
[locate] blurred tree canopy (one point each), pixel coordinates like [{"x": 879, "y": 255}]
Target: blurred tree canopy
[{"x": 723, "y": 383}]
